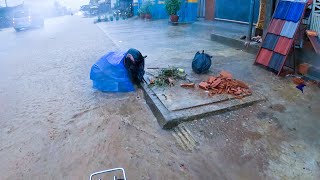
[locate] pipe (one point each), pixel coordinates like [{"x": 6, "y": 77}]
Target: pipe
[
  {"x": 250, "y": 21},
  {"x": 229, "y": 20}
]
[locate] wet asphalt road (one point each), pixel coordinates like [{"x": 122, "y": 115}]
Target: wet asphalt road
[
  {"x": 44, "y": 83},
  {"x": 55, "y": 126}
]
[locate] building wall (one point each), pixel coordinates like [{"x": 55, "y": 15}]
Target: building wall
[
  {"x": 237, "y": 10},
  {"x": 187, "y": 13},
  {"x": 189, "y": 10}
]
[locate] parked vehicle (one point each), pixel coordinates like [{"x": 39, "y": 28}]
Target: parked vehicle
[{"x": 27, "y": 19}]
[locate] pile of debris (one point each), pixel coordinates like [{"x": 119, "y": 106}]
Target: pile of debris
[
  {"x": 225, "y": 84},
  {"x": 168, "y": 77}
]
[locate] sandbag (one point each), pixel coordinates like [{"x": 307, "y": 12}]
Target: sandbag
[{"x": 201, "y": 62}]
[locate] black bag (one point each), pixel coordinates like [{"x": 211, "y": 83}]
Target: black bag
[{"x": 201, "y": 62}]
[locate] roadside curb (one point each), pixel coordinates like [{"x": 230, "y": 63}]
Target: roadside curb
[{"x": 239, "y": 44}]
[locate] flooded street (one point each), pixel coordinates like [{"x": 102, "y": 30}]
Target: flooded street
[{"x": 54, "y": 125}]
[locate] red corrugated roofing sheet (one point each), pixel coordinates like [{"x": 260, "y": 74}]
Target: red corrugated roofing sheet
[
  {"x": 283, "y": 46},
  {"x": 276, "y": 26},
  {"x": 264, "y": 57}
]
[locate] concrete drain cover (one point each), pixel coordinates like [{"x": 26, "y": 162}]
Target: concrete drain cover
[
  {"x": 173, "y": 105},
  {"x": 177, "y": 98}
]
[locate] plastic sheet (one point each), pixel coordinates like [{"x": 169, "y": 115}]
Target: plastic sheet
[
  {"x": 201, "y": 63},
  {"x": 110, "y": 75}
]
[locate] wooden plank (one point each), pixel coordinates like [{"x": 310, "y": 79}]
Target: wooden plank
[{"x": 314, "y": 39}]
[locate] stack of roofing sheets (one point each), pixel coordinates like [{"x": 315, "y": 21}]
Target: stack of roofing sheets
[{"x": 279, "y": 39}]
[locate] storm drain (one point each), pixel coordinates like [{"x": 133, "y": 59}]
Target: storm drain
[{"x": 184, "y": 138}]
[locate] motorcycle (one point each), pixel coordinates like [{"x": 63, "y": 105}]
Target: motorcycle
[{"x": 110, "y": 171}]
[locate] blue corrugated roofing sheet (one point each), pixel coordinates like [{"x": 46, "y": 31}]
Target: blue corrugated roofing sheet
[
  {"x": 276, "y": 61},
  {"x": 295, "y": 12},
  {"x": 270, "y": 41},
  {"x": 289, "y": 29},
  {"x": 282, "y": 10}
]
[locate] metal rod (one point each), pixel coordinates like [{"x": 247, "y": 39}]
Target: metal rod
[
  {"x": 250, "y": 21},
  {"x": 229, "y": 20}
]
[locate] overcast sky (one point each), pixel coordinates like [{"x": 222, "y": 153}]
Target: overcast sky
[{"x": 74, "y": 4}]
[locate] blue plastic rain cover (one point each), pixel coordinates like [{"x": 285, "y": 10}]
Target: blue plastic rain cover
[{"x": 110, "y": 75}]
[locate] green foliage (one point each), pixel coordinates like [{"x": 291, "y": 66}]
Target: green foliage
[
  {"x": 172, "y": 6},
  {"x": 145, "y": 7},
  {"x": 167, "y": 75}
]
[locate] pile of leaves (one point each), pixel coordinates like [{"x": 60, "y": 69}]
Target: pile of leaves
[
  {"x": 225, "y": 84},
  {"x": 168, "y": 76}
]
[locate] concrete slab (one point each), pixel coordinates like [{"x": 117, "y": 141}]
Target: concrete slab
[
  {"x": 173, "y": 105},
  {"x": 229, "y": 33},
  {"x": 177, "y": 98}
]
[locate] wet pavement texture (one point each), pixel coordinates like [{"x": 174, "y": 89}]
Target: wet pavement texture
[
  {"x": 55, "y": 126},
  {"x": 174, "y": 105}
]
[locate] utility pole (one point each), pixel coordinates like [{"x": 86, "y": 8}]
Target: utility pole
[
  {"x": 250, "y": 21},
  {"x": 6, "y": 3}
]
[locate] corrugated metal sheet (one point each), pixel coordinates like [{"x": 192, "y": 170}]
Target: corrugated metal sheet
[
  {"x": 270, "y": 41},
  {"x": 315, "y": 19},
  {"x": 276, "y": 26},
  {"x": 276, "y": 61},
  {"x": 282, "y": 10},
  {"x": 283, "y": 46},
  {"x": 289, "y": 29},
  {"x": 295, "y": 12},
  {"x": 264, "y": 57}
]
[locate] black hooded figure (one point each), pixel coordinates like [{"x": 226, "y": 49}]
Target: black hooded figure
[{"x": 134, "y": 63}]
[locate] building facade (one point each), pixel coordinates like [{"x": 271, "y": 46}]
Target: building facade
[{"x": 231, "y": 10}]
